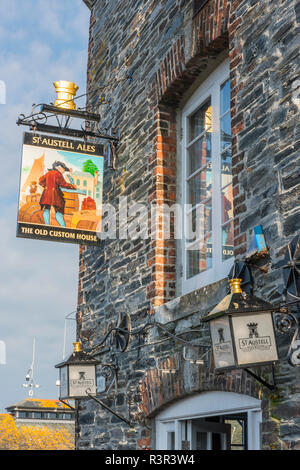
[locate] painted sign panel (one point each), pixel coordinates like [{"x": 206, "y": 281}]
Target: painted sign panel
[
  {"x": 60, "y": 190},
  {"x": 254, "y": 338},
  {"x": 82, "y": 380},
  {"x": 222, "y": 344}
]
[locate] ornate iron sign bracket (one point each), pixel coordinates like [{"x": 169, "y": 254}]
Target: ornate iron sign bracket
[{"x": 41, "y": 114}]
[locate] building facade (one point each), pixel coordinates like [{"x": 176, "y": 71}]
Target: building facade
[
  {"x": 206, "y": 97},
  {"x": 36, "y": 412},
  {"x": 38, "y": 424}
]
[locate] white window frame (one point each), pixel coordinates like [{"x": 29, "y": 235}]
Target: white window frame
[
  {"x": 210, "y": 88},
  {"x": 204, "y": 405}
]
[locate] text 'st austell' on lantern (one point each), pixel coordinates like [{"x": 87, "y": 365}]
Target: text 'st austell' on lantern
[
  {"x": 66, "y": 92},
  {"x": 242, "y": 330},
  {"x": 77, "y": 375}
]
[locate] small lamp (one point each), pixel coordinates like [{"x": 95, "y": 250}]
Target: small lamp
[
  {"x": 242, "y": 331},
  {"x": 77, "y": 375}
]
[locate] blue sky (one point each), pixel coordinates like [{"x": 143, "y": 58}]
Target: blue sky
[{"x": 41, "y": 41}]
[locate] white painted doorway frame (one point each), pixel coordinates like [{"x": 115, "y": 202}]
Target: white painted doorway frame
[{"x": 204, "y": 405}]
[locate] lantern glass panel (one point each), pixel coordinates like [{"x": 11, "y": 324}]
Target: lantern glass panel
[
  {"x": 64, "y": 382},
  {"x": 254, "y": 338},
  {"x": 222, "y": 343},
  {"x": 82, "y": 378}
]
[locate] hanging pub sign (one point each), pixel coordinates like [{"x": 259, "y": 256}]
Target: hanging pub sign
[{"x": 60, "y": 190}]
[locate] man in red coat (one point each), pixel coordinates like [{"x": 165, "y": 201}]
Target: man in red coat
[{"x": 52, "y": 195}]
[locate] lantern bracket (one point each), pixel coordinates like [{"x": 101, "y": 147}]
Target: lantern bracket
[
  {"x": 271, "y": 387},
  {"x": 107, "y": 408},
  {"x": 67, "y": 404}
]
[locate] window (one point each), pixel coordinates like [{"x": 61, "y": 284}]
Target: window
[
  {"x": 210, "y": 421},
  {"x": 207, "y": 183}
]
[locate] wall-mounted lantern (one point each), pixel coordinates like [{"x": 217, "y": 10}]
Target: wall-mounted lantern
[
  {"x": 77, "y": 375},
  {"x": 77, "y": 380},
  {"x": 242, "y": 330}
]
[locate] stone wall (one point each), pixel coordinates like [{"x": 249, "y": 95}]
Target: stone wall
[{"x": 164, "y": 49}]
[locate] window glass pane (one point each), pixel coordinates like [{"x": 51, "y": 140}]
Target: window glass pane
[
  {"x": 199, "y": 186},
  {"x": 200, "y": 121},
  {"x": 238, "y": 432},
  {"x": 225, "y": 131},
  {"x": 199, "y": 154},
  {"x": 199, "y": 257},
  {"x": 227, "y": 240},
  {"x": 201, "y": 441},
  {"x": 225, "y": 97},
  {"x": 216, "y": 441},
  {"x": 226, "y": 166},
  {"x": 171, "y": 440},
  {"x": 227, "y": 204},
  {"x": 199, "y": 222}
]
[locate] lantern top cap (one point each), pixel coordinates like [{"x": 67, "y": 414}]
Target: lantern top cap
[
  {"x": 235, "y": 285},
  {"x": 77, "y": 346},
  {"x": 237, "y": 302},
  {"x": 78, "y": 357},
  {"x": 70, "y": 86}
]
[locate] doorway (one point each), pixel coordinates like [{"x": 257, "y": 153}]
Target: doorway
[{"x": 210, "y": 421}]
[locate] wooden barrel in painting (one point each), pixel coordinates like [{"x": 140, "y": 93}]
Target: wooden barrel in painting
[
  {"x": 86, "y": 220},
  {"x": 32, "y": 213},
  {"x": 71, "y": 203}
]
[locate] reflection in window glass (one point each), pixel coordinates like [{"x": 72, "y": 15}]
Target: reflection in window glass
[
  {"x": 226, "y": 173},
  {"x": 237, "y": 433},
  {"x": 226, "y": 167},
  {"x": 199, "y": 256},
  {"x": 199, "y": 221},
  {"x": 225, "y": 97},
  {"x": 199, "y": 186},
  {"x": 225, "y": 131},
  {"x": 199, "y": 153},
  {"x": 200, "y": 121}
]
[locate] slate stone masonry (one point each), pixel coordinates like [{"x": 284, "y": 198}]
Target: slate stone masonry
[{"x": 164, "y": 47}]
